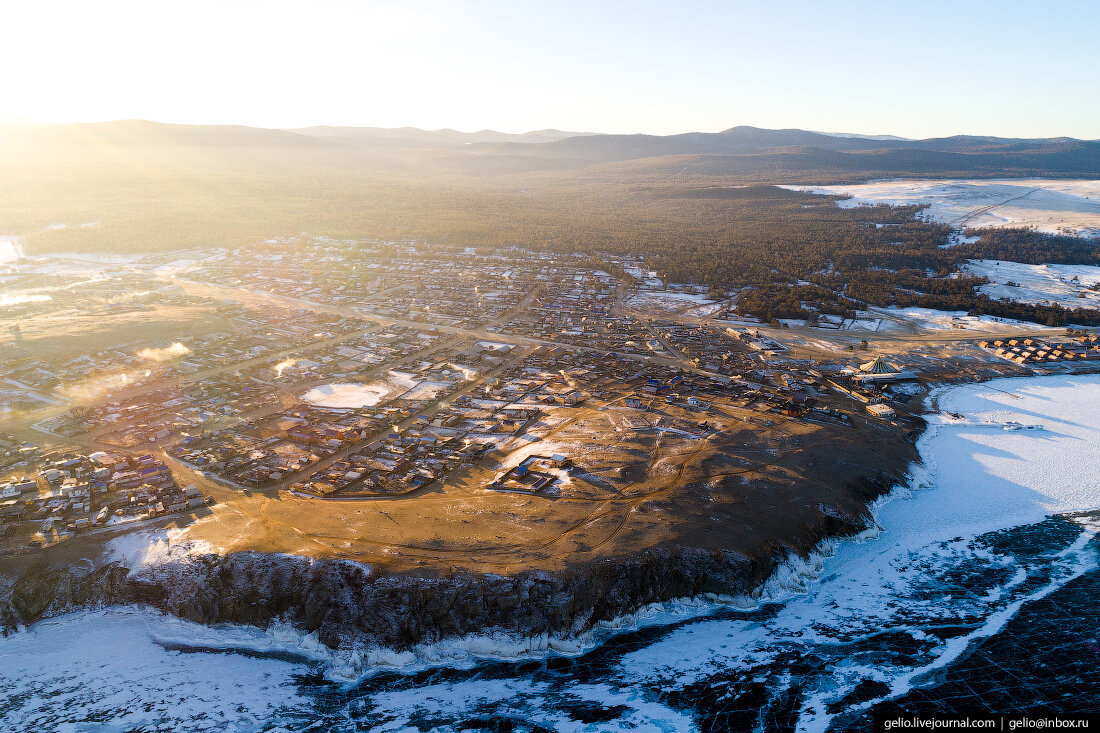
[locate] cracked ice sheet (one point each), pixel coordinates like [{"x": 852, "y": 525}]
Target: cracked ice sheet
[
  {"x": 977, "y": 480},
  {"x": 534, "y": 703},
  {"x": 103, "y": 670}
]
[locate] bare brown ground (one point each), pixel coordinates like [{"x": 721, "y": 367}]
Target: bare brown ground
[{"x": 744, "y": 487}]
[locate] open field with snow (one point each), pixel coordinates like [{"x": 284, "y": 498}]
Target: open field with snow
[
  {"x": 1064, "y": 285},
  {"x": 354, "y": 396},
  {"x": 349, "y": 396},
  {"x": 1054, "y": 206},
  {"x": 866, "y": 322},
  {"x": 667, "y": 300},
  {"x": 930, "y": 319},
  {"x": 427, "y": 390}
]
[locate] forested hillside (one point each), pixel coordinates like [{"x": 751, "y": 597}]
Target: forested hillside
[{"x": 692, "y": 205}]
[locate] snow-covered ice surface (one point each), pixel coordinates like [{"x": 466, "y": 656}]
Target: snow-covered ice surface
[
  {"x": 1066, "y": 285},
  {"x": 1049, "y": 205},
  {"x": 105, "y": 671},
  {"x": 943, "y": 556},
  {"x": 975, "y": 590}
]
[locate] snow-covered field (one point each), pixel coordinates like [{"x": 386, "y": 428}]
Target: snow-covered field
[
  {"x": 1039, "y": 283},
  {"x": 936, "y": 320},
  {"x": 427, "y": 390},
  {"x": 20, "y": 299},
  {"x": 356, "y": 395},
  {"x": 349, "y": 395},
  {"x": 1049, "y": 205},
  {"x": 667, "y": 300}
]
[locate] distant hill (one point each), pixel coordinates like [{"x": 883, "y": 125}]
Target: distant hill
[
  {"x": 863, "y": 137},
  {"x": 748, "y": 154},
  {"x": 824, "y": 154},
  {"x": 91, "y": 135},
  {"x": 150, "y": 185},
  {"x": 445, "y": 136}
]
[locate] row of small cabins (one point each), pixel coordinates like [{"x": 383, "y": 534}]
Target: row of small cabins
[{"x": 1032, "y": 351}]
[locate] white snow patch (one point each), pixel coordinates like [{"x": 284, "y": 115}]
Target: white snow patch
[
  {"x": 1049, "y": 205},
  {"x": 9, "y": 249},
  {"x": 1051, "y": 284},
  {"x": 958, "y": 238},
  {"x": 350, "y": 395},
  {"x": 427, "y": 390},
  {"x": 137, "y": 550},
  {"x": 667, "y": 300},
  {"x": 17, "y": 299},
  {"x": 936, "y": 320}
]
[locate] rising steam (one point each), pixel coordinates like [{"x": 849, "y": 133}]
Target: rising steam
[
  {"x": 174, "y": 351},
  {"x": 286, "y": 364},
  {"x": 6, "y": 300}
]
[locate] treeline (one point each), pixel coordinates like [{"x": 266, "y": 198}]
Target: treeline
[
  {"x": 845, "y": 293},
  {"x": 789, "y": 253},
  {"x": 1029, "y": 247}
]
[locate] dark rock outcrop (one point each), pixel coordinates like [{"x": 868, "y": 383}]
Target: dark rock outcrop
[{"x": 345, "y": 601}]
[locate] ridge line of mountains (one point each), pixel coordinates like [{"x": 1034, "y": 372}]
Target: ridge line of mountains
[{"x": 741, "y": 152}]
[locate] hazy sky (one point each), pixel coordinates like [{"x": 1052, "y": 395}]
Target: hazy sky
[{"x": 915, "y": 69}]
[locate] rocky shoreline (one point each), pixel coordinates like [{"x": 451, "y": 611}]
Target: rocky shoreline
[{"x": 346, "y": 602}]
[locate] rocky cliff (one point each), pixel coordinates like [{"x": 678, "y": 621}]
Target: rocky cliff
[
  {"x": 345, "y": 601},
  {"x": 348, "y": 602}
]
